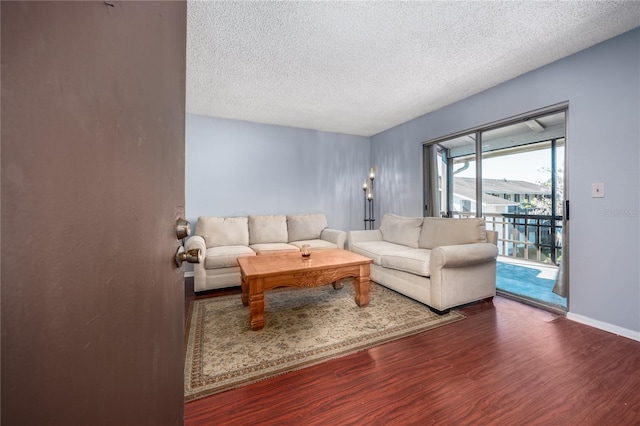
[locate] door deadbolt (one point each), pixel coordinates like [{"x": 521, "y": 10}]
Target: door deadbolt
[
  {"x": 183, "y": 228},
  {"x": 191, "y": 256}
]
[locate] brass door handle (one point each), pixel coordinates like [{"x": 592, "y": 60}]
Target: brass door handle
[
  {"x": 191, "y": 256},
  {"x": 183, "y": 228}
]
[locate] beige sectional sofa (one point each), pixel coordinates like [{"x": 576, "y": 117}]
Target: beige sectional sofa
[
  {"x": 222, "y": 240},
  {"x": 440, "y": 262}
]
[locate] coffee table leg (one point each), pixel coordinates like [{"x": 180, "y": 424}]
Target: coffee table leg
[
  {"x": 257, "y": 311},
  {"x": 362, "y": 286},
  {"x": 245, "y": 291},
  {"x": 337, "y": 285},
  {"x": 256, "y": 302}
]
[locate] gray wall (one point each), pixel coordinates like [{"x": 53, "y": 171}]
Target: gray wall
[
  {"x": 602, "y": 86},
  {"x": 237, "y": 168}
]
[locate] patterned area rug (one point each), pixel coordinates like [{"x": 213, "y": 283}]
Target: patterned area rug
[{"x": 303, "y": 327}]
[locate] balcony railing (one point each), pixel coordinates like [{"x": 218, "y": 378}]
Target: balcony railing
[{"x": 530, "y": 237}]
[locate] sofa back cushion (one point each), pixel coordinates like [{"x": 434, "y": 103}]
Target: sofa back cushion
[
  {"x": 306, "y": 226},
  {"x": 223, "y": 231},
  {"x": 438, "y": 232},
  {"x": 401, "y": 230},
  {"x": 268, "y": 229}
]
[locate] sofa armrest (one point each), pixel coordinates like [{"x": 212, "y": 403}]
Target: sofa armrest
[
  {"x": 196, "y": 241},
  {"x": 334, "y": 236},
  {"x": 363, "y": 236},
  {"x": 461, "y": 274},
  {"x": 462, "y": 255}
]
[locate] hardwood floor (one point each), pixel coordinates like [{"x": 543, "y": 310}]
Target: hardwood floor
[{"x": 506, "y": 364}]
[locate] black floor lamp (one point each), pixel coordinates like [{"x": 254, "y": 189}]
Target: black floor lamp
[{"x": 367, "y": 189}]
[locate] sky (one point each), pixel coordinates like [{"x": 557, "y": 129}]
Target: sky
[{"x": 525, "y": 166}]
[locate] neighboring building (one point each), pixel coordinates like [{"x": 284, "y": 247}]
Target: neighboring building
[{"x": 498, "y": 195}]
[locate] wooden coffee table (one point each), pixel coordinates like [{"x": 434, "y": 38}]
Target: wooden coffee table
[{"x": 265, "y": 272}]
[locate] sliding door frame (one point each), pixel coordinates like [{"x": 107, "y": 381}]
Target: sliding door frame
[{"x": 478, "y": 131}]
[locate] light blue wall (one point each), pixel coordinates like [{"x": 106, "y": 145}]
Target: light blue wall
[
  {"x": 602, "y": 86},
  {"x": 237, "y": 168}
]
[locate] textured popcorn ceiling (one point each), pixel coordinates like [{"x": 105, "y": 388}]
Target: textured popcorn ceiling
[{"x": 363, "y": 67}]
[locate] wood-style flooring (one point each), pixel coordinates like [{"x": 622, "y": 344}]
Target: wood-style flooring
[{"x": 506, "y": 364}]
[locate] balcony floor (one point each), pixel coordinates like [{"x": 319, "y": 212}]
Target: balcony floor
[{"x": 530, "y": 280}]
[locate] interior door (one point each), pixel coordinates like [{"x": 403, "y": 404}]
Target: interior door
[{"x": 93, "y": 115}]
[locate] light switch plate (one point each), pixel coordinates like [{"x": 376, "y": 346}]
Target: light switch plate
[{"x": 597, "y": 190}]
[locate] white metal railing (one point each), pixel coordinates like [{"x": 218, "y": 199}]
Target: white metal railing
[{"x": 531, "y": 237}]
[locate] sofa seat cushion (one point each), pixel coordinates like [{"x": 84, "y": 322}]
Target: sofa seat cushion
[
  {"x": 414, "y": 261},
  {"x": 306, "y": 226},
  {"x": 270, "y": 248},
  {"x": 314, "y": 244},
  {"x": 437, "y": 232},
  {"x": 401, "y": 230},
  {"x": 376, "y": 249},
  {"x": 223, "y": 231},
  {"x": 226, "y": 256},
  {"x": 268, "y": 229}
]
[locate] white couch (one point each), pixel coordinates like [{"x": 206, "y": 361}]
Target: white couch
[
  {"x": 222, "y": 240},
  {"x": 442, "y": 263}
]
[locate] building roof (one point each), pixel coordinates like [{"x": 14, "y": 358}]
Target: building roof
[
  {"x": 465, "y": 188},
  {"x": 505, "y": 186}
]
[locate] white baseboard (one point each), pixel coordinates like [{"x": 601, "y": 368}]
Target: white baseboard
[
  {"x": 188, "y": 274},
  {"x": 620, "y": 331}
]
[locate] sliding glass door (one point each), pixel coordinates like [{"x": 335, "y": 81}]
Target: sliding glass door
[{"x": 513, "y": 176}]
